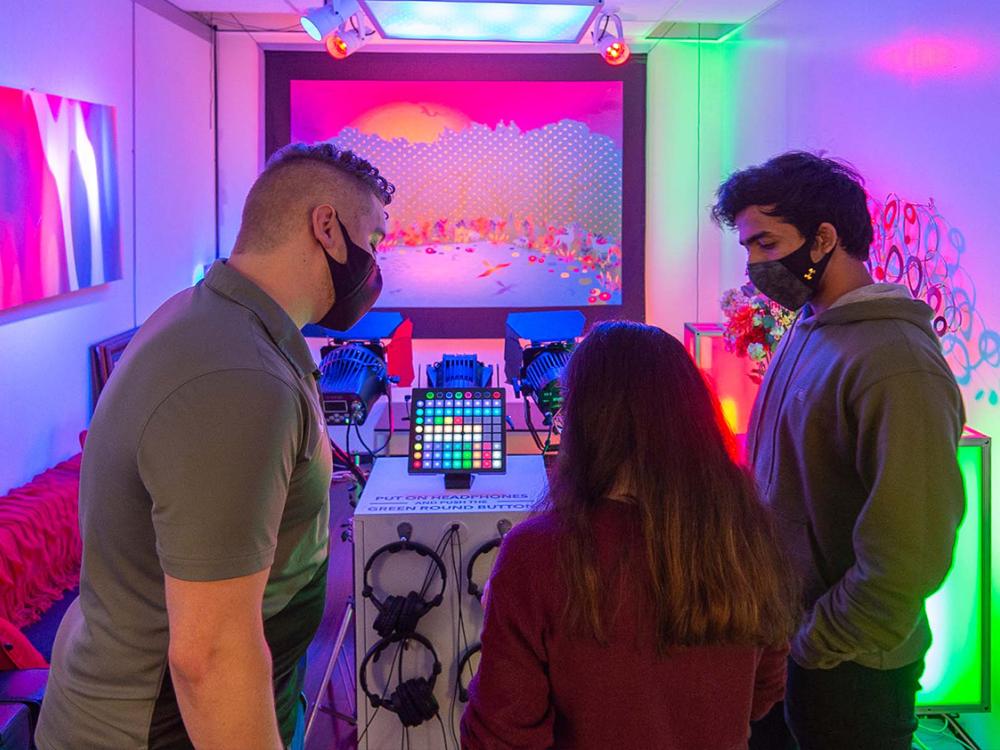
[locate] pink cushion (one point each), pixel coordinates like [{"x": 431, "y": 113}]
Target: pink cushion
[
  {"x": 39, "y": 543},
  {"x": 16, "y": 651}
]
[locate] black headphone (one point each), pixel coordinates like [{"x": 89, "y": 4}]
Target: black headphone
[
  {"x": 463, "y": 691},
  {"x": 400, "y": 614},
  {"x": 503, "y": 526},
  {"x": 413, "y": 700}
]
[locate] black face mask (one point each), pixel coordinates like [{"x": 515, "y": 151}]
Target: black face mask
[
  {"x": 790, "y": 281},
  {"x": 356, "y": 286}
]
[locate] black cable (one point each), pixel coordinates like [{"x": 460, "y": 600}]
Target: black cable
[
  {"x": 604, "y": 28},
  {"x": 531, "y": 427},
  {"x": 458, "y": 645},
  {"x": 351, "y": 466},
  {"x": 374, "y": 454},
  {"x": 461, "y": 618},
  {"x": 444, "y": 735},
  {"x": 385, "y": 692},
  {"x": 357, "y": 431},
  {"x": 439, "y": 550},
  {"x": 548, "y": 438}
]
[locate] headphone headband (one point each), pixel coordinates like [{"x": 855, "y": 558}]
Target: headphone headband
[
  {"x": 484, "y": 548},
  {"x": 375, "y": 652},
  {"x": 405, "y": 545},
  {"x": 503, "y": 526},
  {"x": 463, "y": 691}
]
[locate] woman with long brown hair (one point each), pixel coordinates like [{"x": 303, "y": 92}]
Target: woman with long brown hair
[{"x": 648, "y": 605}]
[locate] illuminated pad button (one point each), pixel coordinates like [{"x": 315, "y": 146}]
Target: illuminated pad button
[
  {"x": 417, "y": 446},
  {"x": 468, "y": 395},
  {"x": 417, "y": 464},
  {"x": 418, "y": 428},
  {"x": 418, "y": 455}
]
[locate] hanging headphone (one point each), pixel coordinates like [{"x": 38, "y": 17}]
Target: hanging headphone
[
  {"x": 413, "y": 700},
  {"x": 463, "y": 690},
  {"x": 400, "y": 614},
  {"x": 503, "y": 526}
]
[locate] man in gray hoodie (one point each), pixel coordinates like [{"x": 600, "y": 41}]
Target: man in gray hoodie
[{"x": 853, "y": 441}]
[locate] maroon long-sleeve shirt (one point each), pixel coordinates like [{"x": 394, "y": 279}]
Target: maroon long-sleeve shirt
[{"x": 538, "y": 687}]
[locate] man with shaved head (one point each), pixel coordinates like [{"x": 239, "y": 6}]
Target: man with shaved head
[{"x": 204, "y": 492}]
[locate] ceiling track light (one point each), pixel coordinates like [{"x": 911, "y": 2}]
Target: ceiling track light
[
  {"x": 321, "y": 22},
  {"x": 610, "y": 43},
  {"x": 348, "y": 38}
]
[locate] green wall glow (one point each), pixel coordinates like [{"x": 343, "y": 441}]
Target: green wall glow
[{"x": 954, "y": 675}]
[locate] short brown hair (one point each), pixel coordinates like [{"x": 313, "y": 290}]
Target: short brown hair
[{"x": 345, "y": 160}]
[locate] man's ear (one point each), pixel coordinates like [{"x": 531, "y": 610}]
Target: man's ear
[
  {"x": 326, "y": 230},
  {"x": 826, "y": 239}
]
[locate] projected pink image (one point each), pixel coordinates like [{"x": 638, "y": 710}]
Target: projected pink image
[
  {"x": 508, "y": 192},
  {"x": 59, "y": 218}
]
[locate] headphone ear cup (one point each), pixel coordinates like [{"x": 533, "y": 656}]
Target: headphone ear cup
[
  {"x": 411, "y": 614},
  {"x": 397, "y": 703},
  {"x": 409, "y": 714},
  {"x": 424, "y": 699},
  {"x": 388, "y": 619}
]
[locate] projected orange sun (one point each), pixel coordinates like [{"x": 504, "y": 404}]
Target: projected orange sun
[{"x": 419, "y": 122}]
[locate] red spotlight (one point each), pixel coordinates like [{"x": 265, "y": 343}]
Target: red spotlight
[
  {"x": 337, "y": 47},
  {"x": 616, "y": 53},
  {"x": 610, "y": 42},
  {"x": 347, "y": 38}
]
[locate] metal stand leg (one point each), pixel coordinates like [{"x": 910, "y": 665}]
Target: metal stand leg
[{"x": 338, "y": 646}]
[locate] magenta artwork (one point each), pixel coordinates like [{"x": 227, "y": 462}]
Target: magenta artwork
[
  {"x": 509, "y": 193},
  {"x": 59, "y": 216}
]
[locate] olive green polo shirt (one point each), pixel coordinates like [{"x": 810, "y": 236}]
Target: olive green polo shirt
[{"x": 207, "y": 459}]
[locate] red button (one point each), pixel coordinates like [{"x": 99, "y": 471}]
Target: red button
[
  {"x": 416, "y": 464},
  {"x": 458, "y": 420},
  {"x": 496, "y": 394}
]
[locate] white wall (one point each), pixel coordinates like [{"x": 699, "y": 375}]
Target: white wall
[
  {"x": 175, "y": 169},
  {"x": 241, "y": 129},
  {"x": 84, "y": 50}
]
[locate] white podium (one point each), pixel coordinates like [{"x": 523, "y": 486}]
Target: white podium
[{"x": 391, "y": 498}]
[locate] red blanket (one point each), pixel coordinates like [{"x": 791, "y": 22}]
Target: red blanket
[{"x": 39, "y": 543}]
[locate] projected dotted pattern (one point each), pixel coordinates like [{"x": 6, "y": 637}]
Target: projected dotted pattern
[
  {"x": 457, "y": 431},
  {"x": 555, "y": 175}
]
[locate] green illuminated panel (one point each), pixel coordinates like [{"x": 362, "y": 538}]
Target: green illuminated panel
[{"x": 954, "y": 673}]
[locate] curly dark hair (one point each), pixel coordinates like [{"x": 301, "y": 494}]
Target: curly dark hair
[
  {"x": 345, "y": 160},
  {"x": 804, "y": 190}
]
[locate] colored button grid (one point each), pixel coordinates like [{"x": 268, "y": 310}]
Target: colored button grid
[{"x": 457, "y": 431}]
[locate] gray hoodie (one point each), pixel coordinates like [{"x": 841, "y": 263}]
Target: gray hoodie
[{"x": 853, "y": 442}]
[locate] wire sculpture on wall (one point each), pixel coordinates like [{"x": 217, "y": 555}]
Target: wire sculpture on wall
[{"x": 916, "y": 246}]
